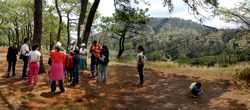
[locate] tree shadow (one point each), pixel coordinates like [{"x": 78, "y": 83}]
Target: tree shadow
[{"x": 161, "y": 92}]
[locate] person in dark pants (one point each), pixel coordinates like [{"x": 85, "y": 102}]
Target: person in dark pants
[
  {"x": 53, "y": 87},
  {"x": 11, "y": 58},
  {"x": 69, "y": 66},
  {"x": 140, "y": 64},
  {"x": 25, "y": 57},
  {"x": 103, "y": 63},
  {"x": 95, "y": 51},
  {"x": 58, "y": 59},
  {"x": 76, "y": 62}
]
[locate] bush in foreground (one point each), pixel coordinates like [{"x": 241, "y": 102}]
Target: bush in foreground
[{"x": 243, "y": 76}]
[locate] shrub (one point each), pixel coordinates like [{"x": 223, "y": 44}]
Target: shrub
[
  {"x": 155, "y": 55},
  {"x": 224, "y": 65},
  {"x": 183, "y": 61},
  {"x": 243, "y": 75},
  {"x": 206, "y": 61}
]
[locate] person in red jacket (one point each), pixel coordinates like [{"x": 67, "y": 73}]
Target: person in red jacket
[
  {"x": 69, "y": 65},
  {"x": 58, "y": 59},
  {"x": 95, "y": 51}
]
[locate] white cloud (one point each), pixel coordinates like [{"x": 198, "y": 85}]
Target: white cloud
[
  {"x": 229, "y": 3},
  {"x": 106, "y": 7}
]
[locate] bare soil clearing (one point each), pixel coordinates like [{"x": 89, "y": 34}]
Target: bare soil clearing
[{"x": 161, "y": 91}]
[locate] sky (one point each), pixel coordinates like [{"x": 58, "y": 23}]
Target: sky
[{"x": 156, "y": 9}]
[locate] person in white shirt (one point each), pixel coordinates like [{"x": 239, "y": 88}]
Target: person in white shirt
[
  {"x": 73, "y": 46},
  {"x": 25, "y": 57},
  {"x": 83, "y": 56},
  {"x": 34, "y": 66}
]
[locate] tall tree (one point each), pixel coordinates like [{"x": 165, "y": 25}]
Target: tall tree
[
  {"x": 17, "y": 31},
  {"x": 38, "y": 22},
  {"x": 60, "y": 21},
  {"x": 84, "y": 5},
  {"x": 90, "y": 20},
  {"x": 127, "y": 20}
]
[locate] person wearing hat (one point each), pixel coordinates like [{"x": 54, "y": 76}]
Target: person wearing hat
[
  {"x": 73, "y": 46},
  {"x": 83, "y": 57}
]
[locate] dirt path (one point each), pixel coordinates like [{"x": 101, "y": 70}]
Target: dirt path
[
  {"x": 4, "y": 104},
  {"x": 162, "y": 91}
]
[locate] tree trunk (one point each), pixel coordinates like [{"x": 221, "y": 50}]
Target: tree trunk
[
  {"x": 68, "y": 28},
  {"x": 13, "y": 34},
  {"x": 121, "y": 44},
  {"x": 90, "y": 20},
  {"x": 37, "y": 38},
  {"x": 27, "y": 31},
  {"x": 23, "y": 33},
  {"x": 60, "y": 20},
  {"x": 84, "y": 5},
  {"x": 50, "y": 41},
  {"x": 17, "y": 33},
  {"x": 30, "y": 33},
  {"x": 9, "y": 36}
]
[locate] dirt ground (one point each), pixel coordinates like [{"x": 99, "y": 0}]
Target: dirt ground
[{"x": 161, "y": 91}]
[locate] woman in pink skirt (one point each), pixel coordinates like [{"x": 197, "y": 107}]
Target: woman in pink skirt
[
  {"x": 34, "y": 66},
  {"x": 58, "y": 59}
]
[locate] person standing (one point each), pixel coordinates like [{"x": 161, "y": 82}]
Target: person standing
[
  {"x": 140, "y": 63},
  {"x": 83, "y": 57},
  {"x": 73, "y": 46},
  {"x": 69, "y": 66},
  {"x": 95, "y": 50},
  {"x": 11, "y": 58},
  {"x": 104, "y": 60},
  {"x": 34, "y": 66},
  {"x": 24, "y": 55},
  {"x": 58, "y": 59},
  {"x": 76, "y": 61}
]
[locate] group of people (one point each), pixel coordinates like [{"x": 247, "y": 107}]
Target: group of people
[{"x": 66, "y": 63}]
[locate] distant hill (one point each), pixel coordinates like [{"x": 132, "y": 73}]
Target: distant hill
[
  {"x": 166, "y": 24},
  {"x": 175, "y": 38}
]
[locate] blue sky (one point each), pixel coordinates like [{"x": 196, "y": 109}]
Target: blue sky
[{"x": 156, "y": 9}]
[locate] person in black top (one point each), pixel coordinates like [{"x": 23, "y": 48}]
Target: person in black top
[
  {"x": 76, "y": 61},
  {"x": 12, "y": 58}
]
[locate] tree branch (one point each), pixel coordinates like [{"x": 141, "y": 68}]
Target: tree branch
[{"x": 241, "y": 18}]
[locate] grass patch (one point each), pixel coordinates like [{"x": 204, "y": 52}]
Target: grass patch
[{"x": 242, "y": 77}]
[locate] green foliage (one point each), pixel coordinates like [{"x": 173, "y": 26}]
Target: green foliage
[
  {"x": 188, "y": 42},
  {"x": 154, "y": 55},
  {"x": 204, "y": 61}
]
